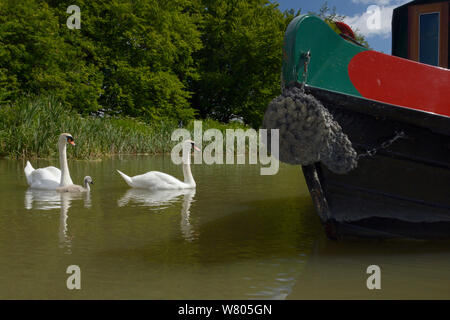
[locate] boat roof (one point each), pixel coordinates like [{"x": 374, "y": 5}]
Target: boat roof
[{"x": 418, "y": 2}]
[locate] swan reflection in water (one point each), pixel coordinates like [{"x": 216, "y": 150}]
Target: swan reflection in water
[
  {"x": 50, "y": 200},
  {"x": 161, "y": 199}
]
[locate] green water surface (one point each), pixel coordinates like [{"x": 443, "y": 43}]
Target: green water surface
[{"x": 239, "y": 235}]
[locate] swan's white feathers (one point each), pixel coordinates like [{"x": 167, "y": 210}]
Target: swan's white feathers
[
  {"x": 44, "y": 178},
  {"x": 28, "y": 170},
  {"x": 126, "y": 178},
  {"x": 156, "y": 180},
  {"x": 45, "y": 184},
  {"x": 50, "y": 178},
  {"x": 55, "y": 171}
]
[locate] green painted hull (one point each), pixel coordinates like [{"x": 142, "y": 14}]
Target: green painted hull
[
  {"x": 400, "y": 191},
  {"x": 330, "y": 56},
  {"x": 341, "y": 66}
]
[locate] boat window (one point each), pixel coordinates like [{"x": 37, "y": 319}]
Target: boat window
[
  {"x": 429, "y": 38},
  {"x": 428, "y": 33}
]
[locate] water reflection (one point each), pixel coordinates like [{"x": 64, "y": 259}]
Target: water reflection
[
  {"x": 185, "y": 224},
  {"x": 240, "y": 235},
  {"x": 162, "y": 199},
  {"x": 50, "y": 200}
]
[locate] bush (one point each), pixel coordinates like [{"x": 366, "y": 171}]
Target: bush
[{"x": 30, "y": 128}]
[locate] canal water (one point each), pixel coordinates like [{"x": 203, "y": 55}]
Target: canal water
[{"x": 239, "y": 235}]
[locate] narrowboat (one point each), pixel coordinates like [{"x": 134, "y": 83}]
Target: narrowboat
[{"x": 395, "y": 110}]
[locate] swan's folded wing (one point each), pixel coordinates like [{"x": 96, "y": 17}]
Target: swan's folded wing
[
  {"x": 156, "y": 180},
  {"x": 54, "y": 171},
  {"x": 45, "y": 184},
  {"x": 45, "y": 174}
]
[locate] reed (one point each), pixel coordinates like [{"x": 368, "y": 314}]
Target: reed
[{"x": 29, "y": 128}]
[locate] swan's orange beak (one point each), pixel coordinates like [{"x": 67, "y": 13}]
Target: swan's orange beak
[
  {"x": 72, "y": 143},
  {"x": 196, "y": 148}
]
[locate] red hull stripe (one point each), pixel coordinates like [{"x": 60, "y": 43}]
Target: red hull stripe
[{"x": 401, "y": 82}]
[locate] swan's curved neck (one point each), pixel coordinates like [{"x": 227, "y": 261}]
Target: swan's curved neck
[
  {"x": 188, "y": 178},
  {"x": 87, "y": 186},
  {"x": 65, "y": 175}
]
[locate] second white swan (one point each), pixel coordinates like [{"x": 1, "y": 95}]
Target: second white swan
[{"x": 155, "y": 180}]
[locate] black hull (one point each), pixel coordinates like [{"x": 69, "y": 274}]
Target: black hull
[{"x": 403, "y": 190}]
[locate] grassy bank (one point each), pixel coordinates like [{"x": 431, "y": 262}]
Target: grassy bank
[{"x": 30, "y": 128}]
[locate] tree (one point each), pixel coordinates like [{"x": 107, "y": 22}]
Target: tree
[
  {"x": 144, "y": 52},
  {"x": 35, "y": 59},
  {"x": 329, "y": 14},
  {"x": 129, "y": 57},
  {"x": 151, "y": 59},
  {"x": 240, "y": 61}
]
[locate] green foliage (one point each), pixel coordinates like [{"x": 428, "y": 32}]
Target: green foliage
[
  {"x": 156, "y": 60},
  {"x": 35, "y": 59},
  {"x": 329, "y": 14},
  {"x": 144, "y": 49},
  {"x": 240, "y": 62},
  {"x": 129, "y": 57},
  {"x": 30, "y": 128}
]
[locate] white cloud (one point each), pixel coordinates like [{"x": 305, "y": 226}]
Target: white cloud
[{"x": 360, "y": 21}]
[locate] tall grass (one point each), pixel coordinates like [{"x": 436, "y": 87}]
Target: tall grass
[{"x": 30, "y": 128}]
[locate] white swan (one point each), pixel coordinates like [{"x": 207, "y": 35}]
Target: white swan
[
  {"x": 155, "y": 180},
  {"x": 50, "y": 178}
]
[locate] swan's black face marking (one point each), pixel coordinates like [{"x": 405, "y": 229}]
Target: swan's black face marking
[
  {"x": 195, "y": 147},
  {"x": 70, "y": 140}
]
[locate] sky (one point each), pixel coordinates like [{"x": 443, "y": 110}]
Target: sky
[{"x": 357, "y": 15}]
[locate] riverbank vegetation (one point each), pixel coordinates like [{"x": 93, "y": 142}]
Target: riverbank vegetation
[
  {"x": 134, "y": 71},
  {"x": 30, "y": 128}
]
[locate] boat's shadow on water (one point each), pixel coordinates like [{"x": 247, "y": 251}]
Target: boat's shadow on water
[
  {"x": 50, "y": 200},
  {"x": 410, "y": 269}
]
